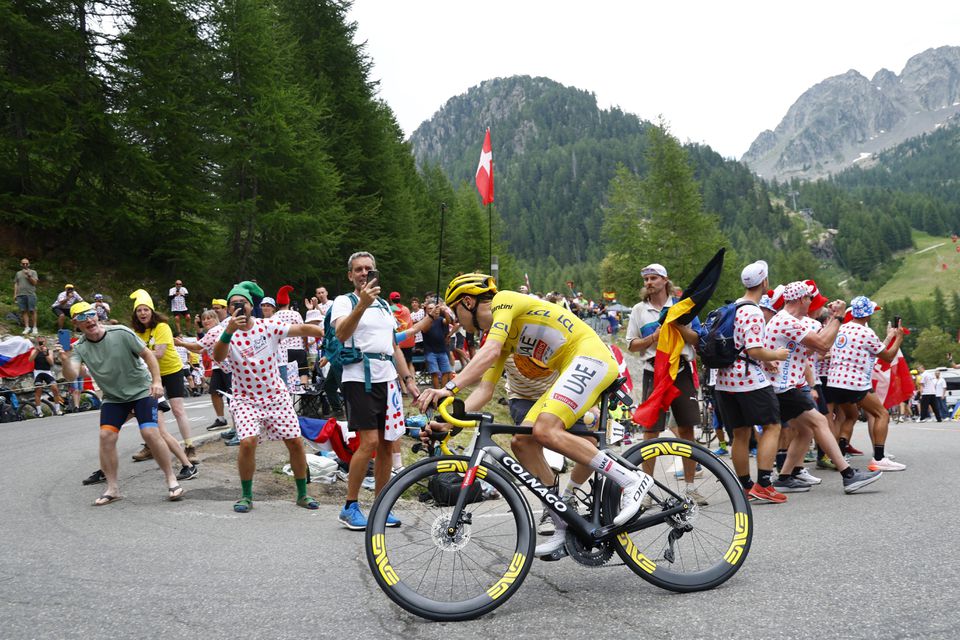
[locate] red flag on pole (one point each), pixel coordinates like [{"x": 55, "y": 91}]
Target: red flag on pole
[{"x": 485, "y": 171}]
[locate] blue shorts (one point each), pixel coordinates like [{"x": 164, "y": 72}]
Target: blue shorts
[
  {"x": 437, "y": 362},
  {"x": 27, "y": 302},
  {"x": 114, "y": 414}
]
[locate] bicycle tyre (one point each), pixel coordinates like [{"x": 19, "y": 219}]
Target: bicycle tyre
[
  {"x": 718, "y": 541},
  {"x": 484, "y": 582},
  {"x": 88, "y": 401}
]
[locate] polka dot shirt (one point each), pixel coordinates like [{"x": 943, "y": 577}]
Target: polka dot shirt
[
  {"x": 748, "y": 332},
  {"x": 787, "y": 332},
  {"x": 254, "y": 362},
  {"x": 852, "y": 357}
]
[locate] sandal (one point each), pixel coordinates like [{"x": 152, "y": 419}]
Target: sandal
[
  {"x": 175, "y": 493},
  {"x": 106, "y": 499},
  {"x": 308, "y": 503},
  {"x": 243, "y": 505}
]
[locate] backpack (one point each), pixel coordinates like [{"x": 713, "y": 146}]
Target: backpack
[{"x": 715, "y": 345}]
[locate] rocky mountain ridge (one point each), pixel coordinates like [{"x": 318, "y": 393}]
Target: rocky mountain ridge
[{"x": 848, "y": 118}]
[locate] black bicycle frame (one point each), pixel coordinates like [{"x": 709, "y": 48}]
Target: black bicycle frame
[{"x": 587, "y": 530}]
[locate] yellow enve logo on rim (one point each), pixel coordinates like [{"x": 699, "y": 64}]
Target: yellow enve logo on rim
[
  {"x": 735, "y": 552},
  {"x": 508, "y": 578},
  {"x": 641, "y": 560},
  {"x": 380, "y": 556},
  {"x": 459, "y": 466},
  {"x": 666, "y": 449}
]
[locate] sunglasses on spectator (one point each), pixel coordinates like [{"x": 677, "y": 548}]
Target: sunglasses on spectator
[{"x": 86, "y": 315}]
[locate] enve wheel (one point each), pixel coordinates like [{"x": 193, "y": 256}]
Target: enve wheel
[
  {"x": 703, "y": 545},
  {"x": 448, "y": 575}
]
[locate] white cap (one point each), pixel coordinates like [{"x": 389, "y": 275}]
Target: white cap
[
  {"x": 268, "y": 300},
  {"x": 654, "y": 270},
  {"x": 754, "y": 274},
  {"x": 313, "y": 315}
]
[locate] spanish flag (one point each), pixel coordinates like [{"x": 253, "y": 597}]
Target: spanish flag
[{"x": 667, "y": 361}]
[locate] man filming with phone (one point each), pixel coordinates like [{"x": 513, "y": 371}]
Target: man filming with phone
[
  {"x": 371, "y": 358},
  {"x": 262, "y": 407}
]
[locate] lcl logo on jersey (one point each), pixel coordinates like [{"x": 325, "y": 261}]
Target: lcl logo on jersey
[{"x": 841, "y": 341}]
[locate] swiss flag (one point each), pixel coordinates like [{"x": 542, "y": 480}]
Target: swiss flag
[{"x": 485, "y": 171}]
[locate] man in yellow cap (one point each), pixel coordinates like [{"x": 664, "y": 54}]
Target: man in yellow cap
[
  {"x": 61, "y": 306},
  {"x": 129, "y": 377}
]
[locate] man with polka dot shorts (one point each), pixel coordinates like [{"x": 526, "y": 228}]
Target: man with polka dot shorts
[{"x": 261, "y": 405}]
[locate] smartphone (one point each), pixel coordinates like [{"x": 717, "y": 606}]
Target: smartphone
[
  {"x": 63, "y": 337},
  {"x": 373, "y": 275},
  {"x": 238, "y": 306},
  {"x": 896, "y": 321}
]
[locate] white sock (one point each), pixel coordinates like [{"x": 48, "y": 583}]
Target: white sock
[
  {"x": 613, "y": 469},
  {"x": 397, "y": 460},
  {"x": 689, "y": 487}
]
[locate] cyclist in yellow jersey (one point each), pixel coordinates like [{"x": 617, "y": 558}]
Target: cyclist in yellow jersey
[{"x": 551, "y": 337}]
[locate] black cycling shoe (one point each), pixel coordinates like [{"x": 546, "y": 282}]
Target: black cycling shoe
[{"x": 95, "y": 478}]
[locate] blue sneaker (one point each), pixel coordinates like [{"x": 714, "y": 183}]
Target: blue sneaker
[
  {"x": 721, "y": 452},
  {"x": 233, "y": 442},
  {"x": 352, "y": 518},
  {"x": 392, "y": 520},
  {"x": 753, "y": 453}
]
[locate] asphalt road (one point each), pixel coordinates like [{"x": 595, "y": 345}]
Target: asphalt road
[{"x": 881, "y": 564}]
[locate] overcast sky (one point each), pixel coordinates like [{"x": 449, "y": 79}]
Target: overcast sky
[{"x": 719, "y": 72}]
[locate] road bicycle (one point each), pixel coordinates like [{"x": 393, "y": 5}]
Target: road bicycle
[
  {"x": 457, "y": 559},
  {"x": 706, "y": 432}
]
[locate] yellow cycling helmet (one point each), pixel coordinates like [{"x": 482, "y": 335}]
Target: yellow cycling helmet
[{"x": 469, "y": 284}]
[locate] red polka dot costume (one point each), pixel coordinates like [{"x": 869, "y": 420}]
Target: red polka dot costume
[
  {"x": 852, "y": 357},
  {"x": 786, "y": 331},
  {"x": 748, "y": 332},
  {"x": 261, "y": 405}
]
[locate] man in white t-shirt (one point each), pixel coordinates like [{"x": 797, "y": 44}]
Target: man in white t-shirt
[
  {"x": 941, "y": 393},
  {"x": 743, "y": 392},
  {"x": 791, "y": 328},
  {"x": 366, "y": 328},
  {"x": 261, "y": 405},
  {"x": 928, "y": 396},
  {"x": 854, "y": 353}
]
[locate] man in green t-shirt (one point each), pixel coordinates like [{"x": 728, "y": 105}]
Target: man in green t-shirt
[{"x": 129, "y": 376}]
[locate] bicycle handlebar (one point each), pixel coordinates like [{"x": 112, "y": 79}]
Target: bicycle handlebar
[{"x": 457, "y": 406}]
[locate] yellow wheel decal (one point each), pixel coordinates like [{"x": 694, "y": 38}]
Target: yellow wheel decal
[
  {"x": 735, "y": 552},
  {"x": 641, "y": 560},
  {"x": 508, "y": 578},
  {"x": 380, "y": 555},
  {"x": 458, "y": 466},
  {"x": 665, "y": 449}
]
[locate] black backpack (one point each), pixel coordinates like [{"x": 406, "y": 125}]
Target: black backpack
[{"x": 715, "y": 345}]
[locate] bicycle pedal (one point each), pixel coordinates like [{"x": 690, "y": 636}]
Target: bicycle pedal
[{"x": 559, "y": 554}]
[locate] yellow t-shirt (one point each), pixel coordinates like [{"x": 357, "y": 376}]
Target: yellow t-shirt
[{"x": 161, "y": 334}]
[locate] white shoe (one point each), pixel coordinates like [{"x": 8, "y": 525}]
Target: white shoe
[
  {"x": 885, "y": 465},
  {"x": 632, "y": 498},
  {"x": 34, "y": 331},
  {"x": 806, "y": 476},
  {"x": 26, "y": 330},
  {"x": 551, "y": 544}
]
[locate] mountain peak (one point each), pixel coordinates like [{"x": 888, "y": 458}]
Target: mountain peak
[{"x": 847, "y": 117}]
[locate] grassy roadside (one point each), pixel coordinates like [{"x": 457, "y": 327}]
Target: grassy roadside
[{"x": 923, "y": 271}]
